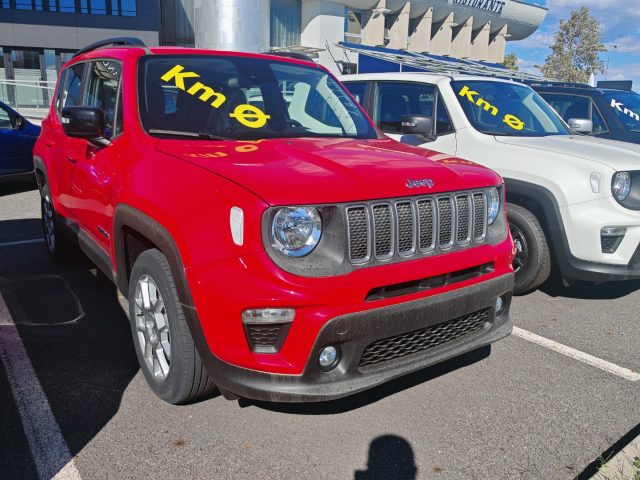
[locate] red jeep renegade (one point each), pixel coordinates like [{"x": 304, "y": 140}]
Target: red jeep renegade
[{"x": 270, "y": 242}]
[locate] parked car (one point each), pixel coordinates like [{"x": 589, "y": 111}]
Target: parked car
[
  {"x": 289, "y": 253},
  {"x": 610, "y": 113},
  {"x": 571, "y": 197},
  {"x": 17, "y": 137}
]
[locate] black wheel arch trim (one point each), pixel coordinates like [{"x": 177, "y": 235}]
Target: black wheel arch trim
[
  {"x": 570, "y": 266},
  {"x": 126, "y": 218}
]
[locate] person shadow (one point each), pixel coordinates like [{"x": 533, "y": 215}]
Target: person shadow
[{"x": 390, "y": 457}]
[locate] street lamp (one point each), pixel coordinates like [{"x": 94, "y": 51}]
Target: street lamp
[{"x": 606, "y": 72}]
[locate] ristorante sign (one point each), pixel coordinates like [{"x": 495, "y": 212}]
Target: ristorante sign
[{"x": 494, "y": 6}]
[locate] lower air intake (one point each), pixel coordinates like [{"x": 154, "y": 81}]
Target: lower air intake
[{"x": 423, "y": 339}]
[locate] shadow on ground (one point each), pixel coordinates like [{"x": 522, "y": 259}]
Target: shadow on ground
[
  {"x": 11, "y": 186},
  {"x": 78, "y": 340},
  {"x": 375, "y": 394},
  {"x": 585, "y": 290},
  {"x": 390, "y": 456}
]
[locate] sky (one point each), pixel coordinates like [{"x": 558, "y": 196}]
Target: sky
[{"x": 620, "y": 22}]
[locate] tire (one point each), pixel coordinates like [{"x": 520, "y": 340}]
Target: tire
[
  {"x": 532, "y": 264},
  {"x": 58, "y": 246},
  {"x": 164, "y": 346}
]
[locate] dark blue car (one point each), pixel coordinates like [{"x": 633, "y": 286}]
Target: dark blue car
[
  {"x": 615, "y": 113},
  {"x": 17, "y": 136}
]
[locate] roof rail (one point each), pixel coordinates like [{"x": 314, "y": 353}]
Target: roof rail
[
  {"x": 296, "y": 55},
  {"x": 125, "y": 41},
  {"x": 549, "y": 83},
  {"x": 439, "y": 64}
]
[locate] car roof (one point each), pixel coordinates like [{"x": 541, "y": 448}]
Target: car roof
[{"x": 120, "y": 52}]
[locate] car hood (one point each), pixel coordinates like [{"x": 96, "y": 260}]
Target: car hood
[
  {"x": 314, "y": 171},
  {"x": 614, "y": 154}
]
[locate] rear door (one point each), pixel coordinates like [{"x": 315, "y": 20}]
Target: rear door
[{"x": 59, "y": 146}]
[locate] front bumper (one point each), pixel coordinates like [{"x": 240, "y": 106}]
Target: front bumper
[
  {"x": 584, "y": 259},
  {"x": 354, "y": 332}
]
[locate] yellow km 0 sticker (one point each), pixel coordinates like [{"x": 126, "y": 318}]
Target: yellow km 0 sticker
[
  {"x": 248, "y": 115},
  {"x": 509, "y": 119}
]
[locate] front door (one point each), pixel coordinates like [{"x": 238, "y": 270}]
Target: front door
[
  {"x": 93, "y": 176},
  {"x": 15, "y": 145},
  {"x": 392, "y": 100}
]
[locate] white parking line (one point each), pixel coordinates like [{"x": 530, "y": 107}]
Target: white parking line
[
  {"x": 21, "y": 242},
  {"x": 578, "y": 355},
  {"x": 48, "y": 448}
]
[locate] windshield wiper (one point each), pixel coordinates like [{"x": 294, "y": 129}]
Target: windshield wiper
[{"x": 175, "y": 133}]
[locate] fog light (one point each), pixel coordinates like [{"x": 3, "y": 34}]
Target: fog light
[
  {"x": 501, "y": 304},
  {"x": 329, "y": 357}
]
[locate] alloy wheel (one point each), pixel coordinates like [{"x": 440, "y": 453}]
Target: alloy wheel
[
  {"x": 152, "y": 327},
  {"x": 522, "y": 250}
]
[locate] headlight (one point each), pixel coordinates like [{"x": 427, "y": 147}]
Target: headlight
[
  {"x": 296, "y": 231},
  {"x": 621, "y": 186},
  {"x": 493, "y": 205}
]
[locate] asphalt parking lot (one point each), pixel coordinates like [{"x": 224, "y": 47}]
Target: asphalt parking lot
[{"x": 526, "y": 411}]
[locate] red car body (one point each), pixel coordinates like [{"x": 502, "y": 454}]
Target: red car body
[{"x": 177, "y": 194}]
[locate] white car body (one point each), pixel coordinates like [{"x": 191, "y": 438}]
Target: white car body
[{"x": 535, "y": 168}]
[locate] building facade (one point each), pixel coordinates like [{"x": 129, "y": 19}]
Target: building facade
[
  {"x": 38, "y": 36},
  {"x": 473, "y": 29}
]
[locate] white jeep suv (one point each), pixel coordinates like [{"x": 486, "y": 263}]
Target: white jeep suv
[{"x": 571, "y": 198}]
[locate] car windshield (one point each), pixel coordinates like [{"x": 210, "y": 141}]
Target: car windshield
[
  {"x": 627, "y": 107},
  {"x": 240, "y": 98},
  {"x": 500, "y": 108}
]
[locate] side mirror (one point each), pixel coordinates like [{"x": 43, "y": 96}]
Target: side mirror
[
  {"x": 83, "y": 122},
  {"x": 581, "y": 125},
  {"x": 418, "y": 125}
]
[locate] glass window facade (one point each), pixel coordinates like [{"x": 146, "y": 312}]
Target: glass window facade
[
  {"x": 28, "y": 76},
  {"x": 285, "y": 22},
  {"x": 127, "y": 8}
]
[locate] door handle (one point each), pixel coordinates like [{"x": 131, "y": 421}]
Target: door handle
[{"x": 71, "y": 159}]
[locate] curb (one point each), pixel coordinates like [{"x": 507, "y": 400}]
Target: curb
[{"x": 625, "y": 465}]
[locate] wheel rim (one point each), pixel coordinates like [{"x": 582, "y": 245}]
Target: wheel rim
[
  {"x": 152, "y": 328},
  {"x": 48, "y": 223},
  {"x": 522, "y": 250}
]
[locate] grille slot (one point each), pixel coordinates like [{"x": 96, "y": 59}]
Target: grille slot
[
  {"x": 479, "y": 215},
  {"x": 425, "y": 215},
  {"x": 464, "y": 219},
  {"x": 445, "y": 214},
  {"x": 382, "y": 231},
  {"x": 408, "y": 227},
  {"x": 427, "y": 338},
  {"x": 358, "y": 234}
]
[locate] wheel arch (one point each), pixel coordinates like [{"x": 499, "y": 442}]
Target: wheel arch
[
  {"x": 134, "y": 232},
  {"x": 543, "y": 204}
]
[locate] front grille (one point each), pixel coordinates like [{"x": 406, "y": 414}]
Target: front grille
[
  {"x": 424, "y": 339},
  {"x": 408, "y": 227}
]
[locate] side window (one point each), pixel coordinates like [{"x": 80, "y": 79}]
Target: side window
[
  {"x": 71, "y": 90},
  {"x": 357, "y": 89},
  {"x": 102, "y": 91},
  {"x": 393, "y": 100},
  {"x": 5, "y": 119},
  {"x": 599, "y": 125},
  {"x": 443, "y": 121},
  {"x": 569, "y": 106}
]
